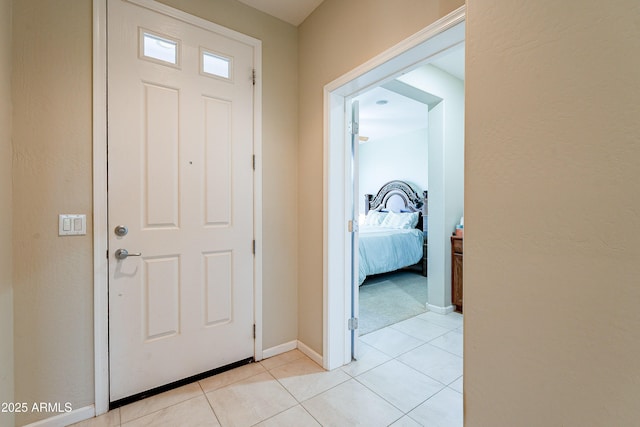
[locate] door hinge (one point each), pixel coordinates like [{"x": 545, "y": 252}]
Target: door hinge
[
  {"x": 254, "y": 331},
  {"x": 254, "y": 162},
  {"x": 354, "y": 128},
  {"x": 254, "y": 246},
  {"x": 353, "y": 324},
  {"x": 253, "y": 76},
  {"x": 107, "y": 253},
  {"x": 352, "y": 225}
]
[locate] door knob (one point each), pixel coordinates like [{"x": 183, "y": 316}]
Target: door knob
[{"x": 123, "y": 254}]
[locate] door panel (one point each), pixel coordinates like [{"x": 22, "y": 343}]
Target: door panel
[
  {"x": 161, "y": 279},
  {"x": 218, "y": 152},
  {"x": 218, "y": 290},
  {"x": 180, "y": 178}
]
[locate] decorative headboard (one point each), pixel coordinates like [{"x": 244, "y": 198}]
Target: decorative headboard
[{"x": 397, "y": 196}]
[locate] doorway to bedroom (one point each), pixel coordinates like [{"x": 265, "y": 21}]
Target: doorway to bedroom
[
  {"x": 401, "y": 140},
  {"x": 406, "y": 62},
  {"x": 392, "y": 175},
  {"x": 424, "y": 351}
]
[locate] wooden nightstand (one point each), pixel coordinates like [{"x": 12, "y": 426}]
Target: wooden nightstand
[{"x": 456, "y": 271}]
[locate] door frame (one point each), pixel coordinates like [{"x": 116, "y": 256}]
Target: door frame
[
  {"x": 411, "y": 52},
  {"x": 100, "y": 196}
]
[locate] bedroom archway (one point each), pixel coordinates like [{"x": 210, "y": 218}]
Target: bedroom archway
[{"x": 415, "y": 51}]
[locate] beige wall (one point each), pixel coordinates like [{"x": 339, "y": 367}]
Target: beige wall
[
  {"x": 53, "y": 306},
  {"x": 280, "y": 152},
  {"x": 52, "y": 175},
  {"x": 337, "y": 37},
  {"x": 6, "y": 280},
  {"x": 552, "y": 213}
]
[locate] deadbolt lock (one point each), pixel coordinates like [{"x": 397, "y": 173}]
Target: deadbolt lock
[{"x": 121, "y": 230}]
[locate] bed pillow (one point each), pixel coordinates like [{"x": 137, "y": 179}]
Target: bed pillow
[
  {"x": 374, "y": 218},
  {"x": 415, "y": 217},
  {"x": 400, "y": 220}
]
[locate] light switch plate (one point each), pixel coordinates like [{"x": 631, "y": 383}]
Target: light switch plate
[{"x": 72, "y": 225}]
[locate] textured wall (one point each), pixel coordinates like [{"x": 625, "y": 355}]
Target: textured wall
[
  {"x": 552, "y": 213},
  {"x": 6, "y": 267},
  {"x": 400, "y": 156},
  {"x": 337, "y": 37},
  {"x": 279, "y": 146},
  {"x": 52, "y": 175},
  {"x": 53, "y": 276}
]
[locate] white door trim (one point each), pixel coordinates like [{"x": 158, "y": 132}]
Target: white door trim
[
  {"x": 407, "y": 54},
  {"x": 100, "y": 225},
  {"x": 100, "y": 232}
]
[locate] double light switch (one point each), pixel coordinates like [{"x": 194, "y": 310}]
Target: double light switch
[{"x": 72, "y": 225}]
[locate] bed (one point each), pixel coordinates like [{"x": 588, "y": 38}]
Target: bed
[{"x": 393, "y": 234}]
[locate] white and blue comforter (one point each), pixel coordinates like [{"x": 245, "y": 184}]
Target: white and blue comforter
[{"x": 387, "y": 249}]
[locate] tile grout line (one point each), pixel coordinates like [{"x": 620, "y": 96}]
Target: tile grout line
[
  {"x": 392, "y": 356},
  {"x": 422, "y": 339},
  {"x": 210, "y": 404},
  {"x": 447, "y": 351},
  {"x": 414, "y": 348},
  {"x": 399, "y": 409},
  {"x": 300, "y": 402},
  {"x": 287, "y": 390},
  {"x": 436, "y": 380}
]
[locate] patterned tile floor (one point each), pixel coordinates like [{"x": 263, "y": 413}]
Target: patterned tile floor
[{"x": 407, "y": 374}]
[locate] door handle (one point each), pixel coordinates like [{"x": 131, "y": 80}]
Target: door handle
[{"x": 123, "y": 254}]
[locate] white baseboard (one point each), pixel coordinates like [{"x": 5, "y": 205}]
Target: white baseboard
[
  {"x": 67, "y": 418},
  {"x": 292, "y": 345},
  {"x": 279, "y": 349},
  {"x": 441, "y": 310},
  {"x": 311, "y": 353}
]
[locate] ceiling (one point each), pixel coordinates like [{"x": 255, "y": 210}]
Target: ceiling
[
  {"x": 399, "y": 115},
  {"x": 408, "y": 107},
  {"x": 291, "y": 11}
]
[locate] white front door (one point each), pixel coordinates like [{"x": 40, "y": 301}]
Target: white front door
[{"x": 180, "y": 176}]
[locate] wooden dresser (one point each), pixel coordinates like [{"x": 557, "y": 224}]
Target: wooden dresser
[
  {"x": 425, "y": 246},
  {"x": 456, "y": 272}
]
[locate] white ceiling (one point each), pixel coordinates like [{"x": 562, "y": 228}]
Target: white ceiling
[
  {"x": 403, "y": 114},
  {"x": 291, "y": 11},
  {"x": 400, "y": 115}
]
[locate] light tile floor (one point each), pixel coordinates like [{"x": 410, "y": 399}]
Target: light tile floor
[{"x": 408, "y": 374}]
